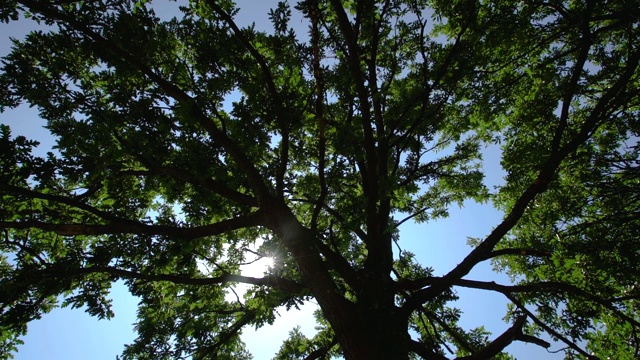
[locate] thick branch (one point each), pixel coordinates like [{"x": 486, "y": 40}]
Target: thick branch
[
  {"x": 271, "y": 281},
  {"x": 539, "y": 287},
  {"x": 303, "y": 246},
  {"x": 132, "y": 227},
  {"x": 424, "y": 352},
  {"x": 501, "y": 342},
  {"x": 339, "y": 264},
  {"x": 545, "y": 175},
  {"x": 546, "y": 287},
  {"x": 322, "y": 351}
]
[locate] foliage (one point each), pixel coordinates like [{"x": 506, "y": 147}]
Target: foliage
[{"x": 183, "y": 143}]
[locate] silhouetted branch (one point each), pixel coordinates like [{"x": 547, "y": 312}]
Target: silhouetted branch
[
  {"x": 501, "y": 342},
  {"x": 255, "y": 178},
  {"x": 210, "y": 352},
  {"x": 207, "y": 183},
  {"x": 424, "y": 352},
  {"x": 549, "y": 329},
  {"x": 133, "y": 227},
  {"x": 322, "y": 351},
  {"x": 548, "y": 286},
  {"x": 539, "y": 185},
  {"x": 272, "y": 281},
  {"x": 519, "y": 251}
]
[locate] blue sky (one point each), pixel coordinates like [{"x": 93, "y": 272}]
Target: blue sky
[{"x": 72, "y": 334}]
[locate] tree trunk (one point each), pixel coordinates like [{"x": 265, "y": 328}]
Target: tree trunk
[
  {"x": 379, "y": 335},
  {"x": 372, "y": 328}
]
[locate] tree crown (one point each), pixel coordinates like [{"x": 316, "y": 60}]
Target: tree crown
[{"x": 183, "y": 143}]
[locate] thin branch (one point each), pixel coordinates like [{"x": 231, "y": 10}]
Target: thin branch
[
  {"x": 368, "y": 169},
  {"x": 558, "y": 8},
  {"x": 255, "y": 178},
  {"x": 454, "y": 334},
  {"x": 280, "y": 113},
  {"x": 319, "y": 110},
  {"x": 262, "y": 62},
  {"x": 74, "y": 202},
  {"x": 361, "y": 234},
  {"x": 549, "y": 329},
  {"x": 207, "y": 183},
  {"x": 22, "y": 247},
  {"x": 573, "y": 85},
  {"x": 225, "y": 335},
  {"x": 417, "y": 213},
  {"x": 520, "y": 252},
  {"x": 434, "y": 334}
]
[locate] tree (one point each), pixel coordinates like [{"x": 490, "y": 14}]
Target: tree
[{"x": 333, "y": 143}]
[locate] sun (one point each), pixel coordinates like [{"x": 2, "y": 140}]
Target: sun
[
  {"x": 267, "y": 262},
  {"x": 258, "y": 268}
]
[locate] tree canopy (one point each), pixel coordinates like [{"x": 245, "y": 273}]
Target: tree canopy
[{"x": 182, "y": 142}]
